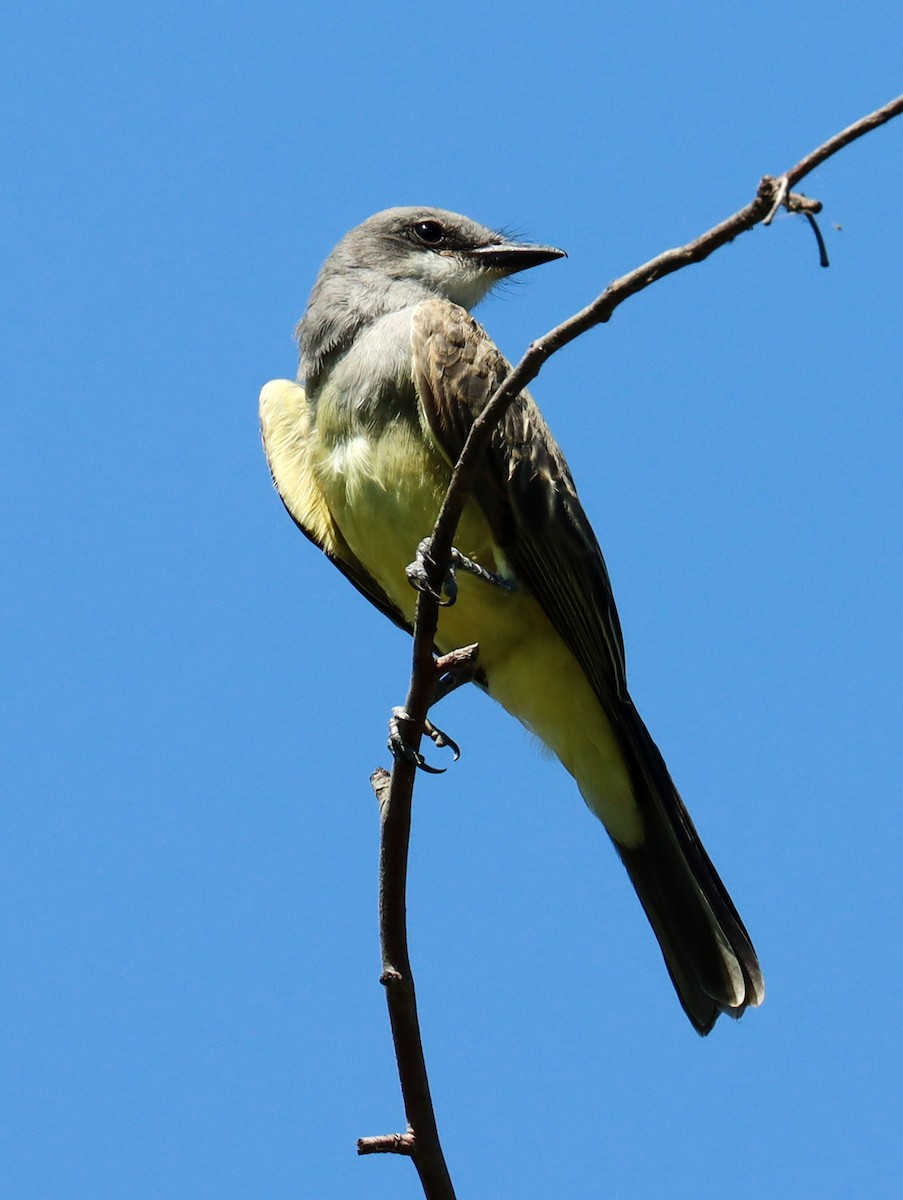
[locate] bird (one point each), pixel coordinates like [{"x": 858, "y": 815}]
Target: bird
[{"x": 393, "y": 370}]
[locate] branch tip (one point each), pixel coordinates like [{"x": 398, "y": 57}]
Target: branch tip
[
  {"x": 798, "y": 202},
  {"x": 387, "y": 1143},
  {"x": 464, "y": 656},
  {"x": 380, "y": 781}
]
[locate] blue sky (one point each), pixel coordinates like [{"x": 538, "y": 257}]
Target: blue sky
[{"x": 194, "y": 698}]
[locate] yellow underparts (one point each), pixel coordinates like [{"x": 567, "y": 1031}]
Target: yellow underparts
[{"x": 384, "y": 493}]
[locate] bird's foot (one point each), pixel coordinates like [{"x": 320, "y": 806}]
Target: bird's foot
[
  {"x": 418, "y": 574},
  {"x": 404, "y": 752},
  {"x": 441, "y": 739}
]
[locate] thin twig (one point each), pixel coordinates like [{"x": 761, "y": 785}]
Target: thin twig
[
  {"x": 864, "y": 125},
  {"x": 421, "y": 1141},
  {"x": 387, "y": 1143}
]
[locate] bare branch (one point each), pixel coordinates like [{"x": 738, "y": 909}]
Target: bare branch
[
  {"x": 395, "y": 792},
  {"x": 421, "y": 1140},
  {"x": 864, "y": 125},
  {"x": 387, "y": 1143},
  {"x": 454, "y": 670}
]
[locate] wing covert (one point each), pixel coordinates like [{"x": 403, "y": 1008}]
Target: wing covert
[{"x": 524, "y": 487}]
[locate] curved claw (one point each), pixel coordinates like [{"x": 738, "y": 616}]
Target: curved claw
[
  {"x": 418, "y": 577},
  {"x": 441, "y": 739},
  {"x": 399, "y": 748}
]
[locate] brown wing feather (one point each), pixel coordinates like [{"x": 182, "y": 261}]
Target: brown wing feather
[
  {"x": 524, "y": 487},
  {"x": 525, "y": 490}
]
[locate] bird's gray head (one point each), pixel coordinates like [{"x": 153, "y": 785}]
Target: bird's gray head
[{"x": 397, "y": 258}]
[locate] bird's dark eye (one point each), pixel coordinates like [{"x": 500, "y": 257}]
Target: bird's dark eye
[{"x": 428, "y": 232}]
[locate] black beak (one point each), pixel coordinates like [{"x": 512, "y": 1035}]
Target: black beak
[{"x": 510, "y": 257}]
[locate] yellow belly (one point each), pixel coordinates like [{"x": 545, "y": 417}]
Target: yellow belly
[{"x": 384, "y": 494}]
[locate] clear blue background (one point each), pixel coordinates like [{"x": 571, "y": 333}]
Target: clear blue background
[{"x": 194, "y": 698}]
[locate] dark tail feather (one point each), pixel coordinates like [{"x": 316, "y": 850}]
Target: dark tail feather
[{"x": 707, "y": 950}]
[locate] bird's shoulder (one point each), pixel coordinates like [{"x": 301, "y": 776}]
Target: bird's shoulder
[
  {"x": 457, "y": 367},
  {"x": 454, "y": 356}
]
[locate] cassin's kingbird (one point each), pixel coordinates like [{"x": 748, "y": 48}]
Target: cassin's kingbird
[{"x": 393, "y": 372}]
